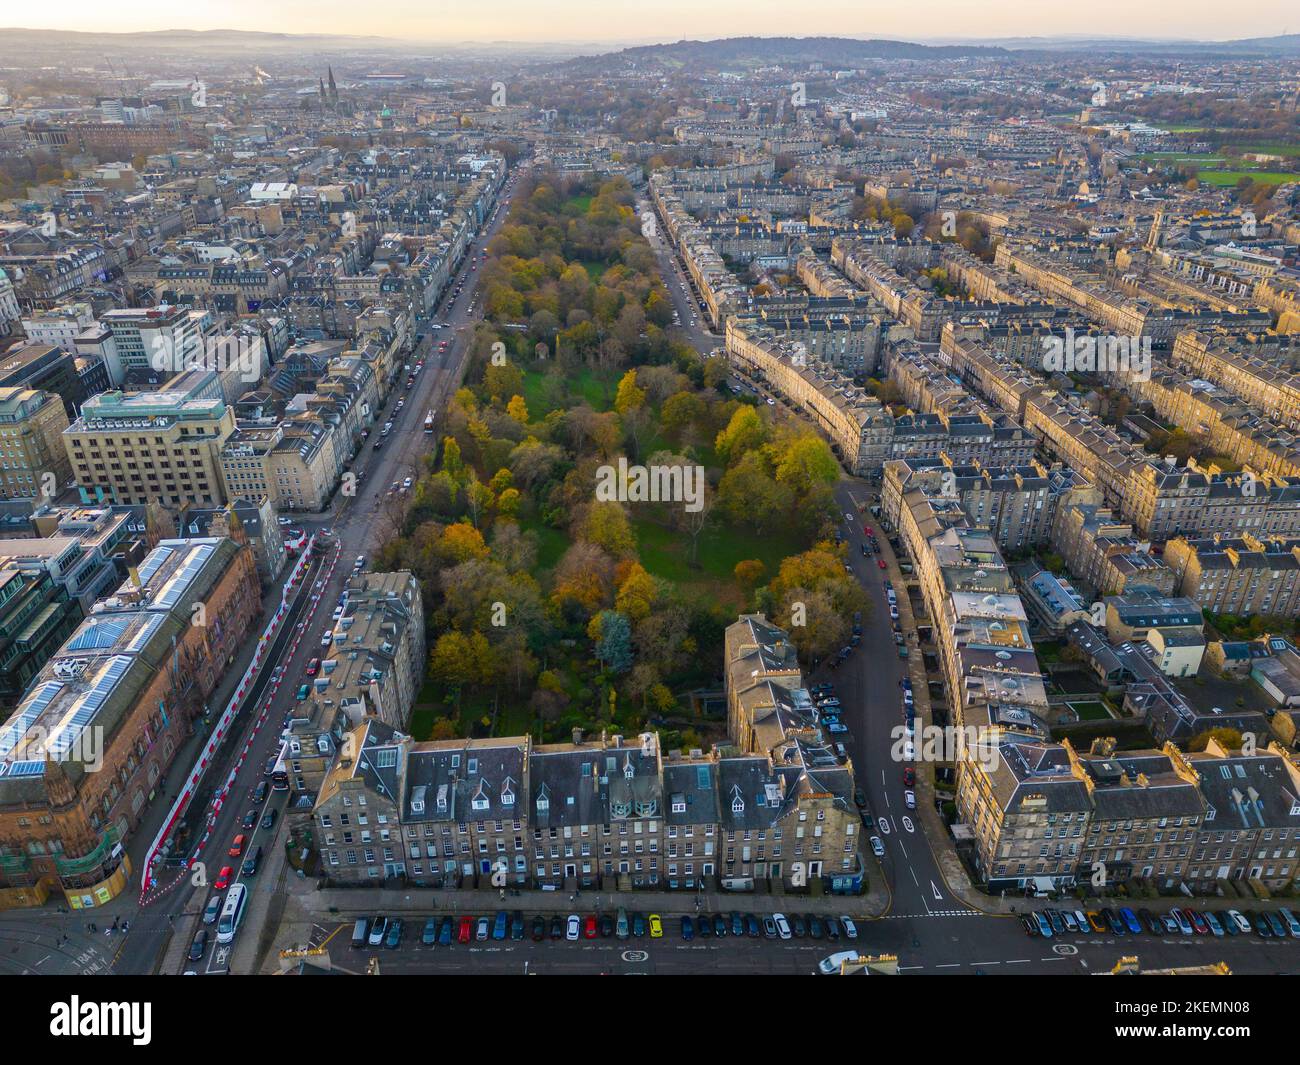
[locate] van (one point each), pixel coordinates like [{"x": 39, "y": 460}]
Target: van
[
  {"x": 360, "y": 932},
  {"x": 831, "y": 966}
]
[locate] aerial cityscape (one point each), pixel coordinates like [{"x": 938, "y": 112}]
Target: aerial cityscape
[{"x": 788, "y": 494}]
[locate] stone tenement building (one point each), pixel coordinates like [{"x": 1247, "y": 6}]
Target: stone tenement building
[{"x": 81, "y": 756}]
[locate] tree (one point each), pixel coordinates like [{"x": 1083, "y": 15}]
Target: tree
[
  {"x": 501, "y": 380},
  {"x": 613, "y": 637},
  {"x": 636, "y": 595},
  {"x": 605, "y": 524},
  {"x": 517, "y": 408},
  {"x": 749, "y": 572},
  {"x": 744, "y": 432},
  {"x": 461, "y": 542},
  {"x": 629, "y": 395},
  {"x": 806, "y": 463}
]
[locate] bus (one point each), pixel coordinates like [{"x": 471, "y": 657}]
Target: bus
[
  {"x": 428, "y": 421},
  {"x": 280, "y": 775},
  {"x": 232, "y": 913}
]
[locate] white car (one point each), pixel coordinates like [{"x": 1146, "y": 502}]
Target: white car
[
  {"x": 327, "y": 638},
  {"x": 573, "y": 927},
  {"x": 909, "y": 799},
  {"x": 360, "y": 563},
  {"x": 782, "y": 925},
  {"x": 1239, "y": 919},
  {"x": 877, "y": 848},
  {"x": 284, "y": 522},
  {"x": 830, "y": 966},
  {"x": 850, "y": 929},
  {"x": 406, "y": 485}
]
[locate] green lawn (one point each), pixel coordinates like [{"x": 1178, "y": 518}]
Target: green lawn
[
  {"x": 666, "y": 553},
  {"x": 1091, "y": 711},
  {"x": 595, "y": 386},
  {"x": 1231, "y": 177},
  {"x": 594, "y": 269},
  {"x": 551, "y": 543}
]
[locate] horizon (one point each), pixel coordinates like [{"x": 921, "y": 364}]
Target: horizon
[{"x": 574, "y": 21}]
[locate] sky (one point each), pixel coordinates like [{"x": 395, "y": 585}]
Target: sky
[{"x": 643, "y": 21}]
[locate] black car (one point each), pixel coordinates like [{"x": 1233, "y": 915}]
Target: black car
[
  {"x": 752, "y": 928},
  {"x": 1031, "y": 926},
  {"x": 539, "y": 929},
  {"x": 1152, "y": 922},
  {"x": 704, "y": 925},
  {"x": 832, "y": 927},
  {"x": 557, "y": 927},
  {"x": 815, "y": 928},
  {"x": 199, "y": 945},
  {"x": 517, "y": 925},
  {"x": 719, "y": 925},
  {"x": 798, "y": 927},
  {"x": 859, "y": 798},
  {"x": 269, "y": 768},
  {"x": 737, "y": 924},
  {"x": 253, "y": 862},
  {"x": 250, "y": 819},
  {"x": 606, "y": 926},
  {"x": 269, "y": 820}
]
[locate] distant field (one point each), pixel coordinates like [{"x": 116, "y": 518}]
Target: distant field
[{"x": 1231, "y": 177}]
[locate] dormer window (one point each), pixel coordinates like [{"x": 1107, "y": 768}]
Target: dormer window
[
  {"x": 480, "y": 799},
  {"x": 507, "y": 793}
]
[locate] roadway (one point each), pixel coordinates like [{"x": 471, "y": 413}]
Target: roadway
[{"x": 350, "y": 519}]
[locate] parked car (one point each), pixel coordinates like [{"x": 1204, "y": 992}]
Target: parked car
[
  {"x": 589, "y": 927},
  {"x": 539, "y": 929},
  {"x": 769, "y": 928},
  {"x": 198, "y": 945},
  {"x": 483, "y": 929},
  {"x": 430, "y": 934},
  {"x": 500, "y": 925},
  {"x": 1262, "y": 927},
  {"x": 877, "y": 848},
  {"x": 656, "y": 927},
  {"x": 638, "y": 925},
  {"x": 1044, "y": 925},
  {"x": 606, "y": 926},
  {"x": 1198, "y": 922},
  {"x": 558, "y": 928},
  {"x": 1180, "y": 919},
  {"x": 815, "y": 929},
  {"x": 1031, "y": 925},
  {"x": 1275, "y": 923},
  {"x": 394, "y": 938},
  {"x": 1213, "y": 921},
  {"x": 1095, "y": 921},
  {"x": 1239, "y": 919},
  {"x": 466, "y": 930},
  {"x": 850, "y": 928},
  {"x": 688, "y": 928},
  {"x": 378, "y": 930},
  {"x": 1131, "y": 921},
  {"x": 622, "y": 927}
]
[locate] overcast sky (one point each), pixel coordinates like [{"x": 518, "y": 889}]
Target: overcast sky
[{"x": 669, "y": 20}]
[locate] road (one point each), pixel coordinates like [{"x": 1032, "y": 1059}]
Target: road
[
  {"x": 351, "y": 520},
  {"x": 691, "y": 326},
  {"x": 933, "y": 945}
]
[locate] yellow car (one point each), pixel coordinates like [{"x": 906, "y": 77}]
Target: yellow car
[{"x": 656, "y": 927}]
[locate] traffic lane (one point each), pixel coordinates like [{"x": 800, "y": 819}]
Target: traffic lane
[{"x": 874, "y": 696}]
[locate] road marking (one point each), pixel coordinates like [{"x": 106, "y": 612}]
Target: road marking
[{"x": 935, "y": 890}]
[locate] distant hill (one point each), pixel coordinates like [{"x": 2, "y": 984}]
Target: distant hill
[{"x": 748, "y": 52}]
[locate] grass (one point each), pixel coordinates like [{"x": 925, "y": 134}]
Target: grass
[
  {"x": 666, "y": 553},
  {"x": 551, "y": 543},
  {"x": 1091, "y": 711},
  {"x": 595, "y": 270},
  {"x": 1231, "y": 177},
  {"x": 594, "y": 386}
]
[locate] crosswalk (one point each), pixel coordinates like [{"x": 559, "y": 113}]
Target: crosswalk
[{"x": 933, "y": 913}]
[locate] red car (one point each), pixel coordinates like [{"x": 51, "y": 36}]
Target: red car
[
  {"x": 237, "y": 847},
  {"x": 909, "y": 777},
  {"x": 867, "y": 529},
  {"x": 223, "y": 878},
  {"x": 589, "y": 927},
  {"x": 1198, "y": 922},
  {"x": 881, "y": 563},
  {"x": 312, "y": 667},
  {"x": 466, "y": 931}
]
